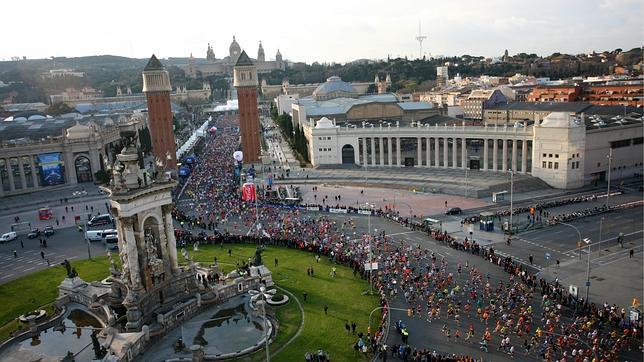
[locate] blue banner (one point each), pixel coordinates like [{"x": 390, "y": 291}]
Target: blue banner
[{"x": 52, "y": 168}]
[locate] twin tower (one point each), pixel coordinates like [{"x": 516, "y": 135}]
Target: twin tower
[
  {"x": 157, "y": 88},
  {"x": 245, "y": 80}
]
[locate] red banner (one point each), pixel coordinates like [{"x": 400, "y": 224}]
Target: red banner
[{"x": 248, "y": 191}]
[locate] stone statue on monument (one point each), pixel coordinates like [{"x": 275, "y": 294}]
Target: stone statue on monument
[
  {"x": 129, "y": 138},
  {"x": 150, "y": 245},
  {"x": 125, "y": 275},
  {"x": 71, "y": 272},
  {"x": 113, "y": 270},
  {"x": 258, "y": 256}
]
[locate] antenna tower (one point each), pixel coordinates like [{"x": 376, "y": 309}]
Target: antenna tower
[{"x": 420, "y": 39}]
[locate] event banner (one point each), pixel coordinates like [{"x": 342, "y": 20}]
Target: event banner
[
  {"x": 52, "y": 168},
  {"x": 248, "y": 192}
]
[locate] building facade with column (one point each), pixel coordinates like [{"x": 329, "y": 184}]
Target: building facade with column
[
  {"x": 564, "y": 151},
  {"x": 63, "y": 150}
]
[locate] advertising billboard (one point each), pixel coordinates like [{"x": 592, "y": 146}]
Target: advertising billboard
[{"x": 52, "y": 168}]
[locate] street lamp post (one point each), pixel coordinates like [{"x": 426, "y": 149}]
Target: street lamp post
[
  {"x": 268, "y": 357},
  {"x": 587, "y": 241},
  {"x": 466, "y": 190},
  {"x": 89, "y": 252},
  {"x": 610, "y": 159},
  {"x": 263, "y": 296},
  {"x": 511, "y": 198},
  {"x": 370, "y": 251},
  {"x": 578, "y": 235},
  {"x": 601, "y": 221}
]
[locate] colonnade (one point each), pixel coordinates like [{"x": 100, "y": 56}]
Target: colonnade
[
  {"x": 27, "y": 177},
  {"x": 446, "y": 152}
]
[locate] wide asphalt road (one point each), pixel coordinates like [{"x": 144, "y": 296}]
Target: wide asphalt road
[{"x": 67, "y": 243}]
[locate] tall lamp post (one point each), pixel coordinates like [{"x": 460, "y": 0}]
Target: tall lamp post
[
  {"x": 370, "y": 250},
  {"x": 587, "y": 241},
  {"x": 578, "y": 235},
  {"x": 466, "y": 189},
  {"x": 89, "y": 252},
  {"x": 263, "y": 295},
  {"x": 610, "y": 159},
  {"x": 511, "y": 198},
  {"x": 601, "y": 221}
]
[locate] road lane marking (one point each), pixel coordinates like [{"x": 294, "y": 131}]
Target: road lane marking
[
  {"x": 605, "y": 240},
  {"x": 626, "y": 256}
]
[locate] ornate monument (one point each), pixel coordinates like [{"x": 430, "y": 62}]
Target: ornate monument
[{"x": 150, "y": 277}]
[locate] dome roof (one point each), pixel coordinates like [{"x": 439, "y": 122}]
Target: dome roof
[
  {"x": 78, "y": 131},
  {"x": 334, "y": 87},
  {"x": 234, "y": 47}
]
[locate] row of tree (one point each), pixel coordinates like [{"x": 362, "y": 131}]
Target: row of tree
[{"x": 294, "y": 135}]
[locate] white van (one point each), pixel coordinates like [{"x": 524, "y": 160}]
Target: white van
[
  {"x": 94, "y": 235},
  {"x": 8, "y": 236}
]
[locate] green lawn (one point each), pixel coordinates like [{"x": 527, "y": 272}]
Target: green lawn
[
  {"x": 41, "y": 288},
  {"x": 342, "y": 295}
]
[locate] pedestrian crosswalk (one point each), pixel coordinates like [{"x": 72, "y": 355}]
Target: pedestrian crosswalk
[{"x": 28, "y": 261}]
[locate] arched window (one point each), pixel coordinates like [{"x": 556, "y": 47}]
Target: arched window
[{"x": 83, "y": 169}]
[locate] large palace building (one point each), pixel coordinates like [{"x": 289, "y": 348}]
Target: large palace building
[
  {"x": 213, "y": 66},
  {"x": 566, "y": 148}
]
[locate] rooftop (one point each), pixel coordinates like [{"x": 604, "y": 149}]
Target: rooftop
[
  {"x": 243, "y": 60},
  {"x": 154, "y": 64},
  {"x": 572, "y": 107},
  {"x": 22, "y": 131},
  {"x": 342, "y": 105},
  {"x": 335, "y": 85}
]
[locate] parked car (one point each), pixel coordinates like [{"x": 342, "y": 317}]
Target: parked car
[
  {"x": 48, "y": 230},
  {"x": 8, "y": 236},
  {"x": 34, "y": 233},
  {"x": 112, "y": 242},
  {"x": 454, "y": 211}
]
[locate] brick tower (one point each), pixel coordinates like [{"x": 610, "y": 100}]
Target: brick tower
[
  {"x": 156, "y": 86},
  {"x": 245, "y": 80}
]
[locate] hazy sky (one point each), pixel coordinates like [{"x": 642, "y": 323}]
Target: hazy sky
[{"x": 323, "y": 30}]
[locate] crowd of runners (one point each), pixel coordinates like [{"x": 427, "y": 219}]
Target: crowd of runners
[{"x": 520, "y": 314}]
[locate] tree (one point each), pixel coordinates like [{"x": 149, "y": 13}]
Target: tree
[
  {"x": 58, "y": 108},
  {"x": 273, "y": 112},
  {"x": 146, "y": 140},
  {"x": 102, "y": 176}
]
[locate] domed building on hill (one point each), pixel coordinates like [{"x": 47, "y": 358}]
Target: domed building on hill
[{"x": 224, "y": 66}]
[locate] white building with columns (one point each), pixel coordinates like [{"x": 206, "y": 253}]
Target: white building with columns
[
  {"x": 554, "y": 150},
  {"x": 75, "y": 146}
]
